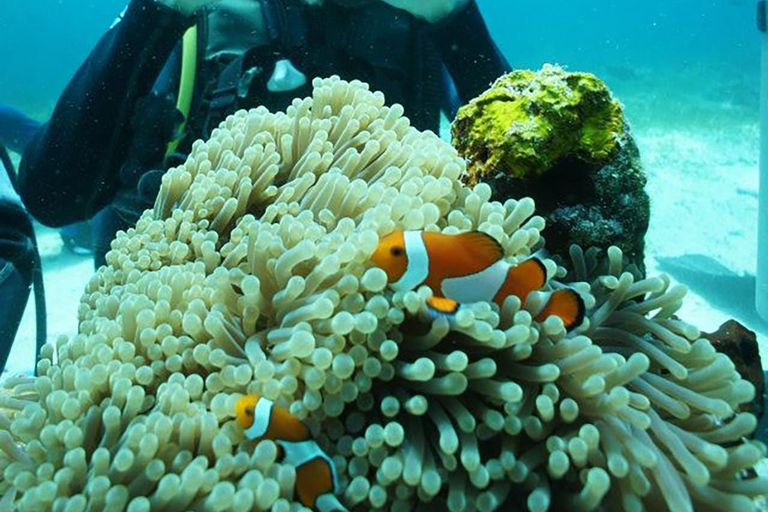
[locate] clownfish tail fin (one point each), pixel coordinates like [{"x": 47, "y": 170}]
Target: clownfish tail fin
[
  {"x": 317, "y": 483},
  {"x": 566, "y": 304}
]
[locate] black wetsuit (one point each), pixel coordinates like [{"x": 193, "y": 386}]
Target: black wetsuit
[{"x": 86, "y": 156}]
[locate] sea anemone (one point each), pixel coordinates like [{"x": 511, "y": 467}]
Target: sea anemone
[{"x": 252, "y": 275}]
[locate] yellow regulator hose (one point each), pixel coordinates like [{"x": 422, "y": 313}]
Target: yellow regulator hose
[{"x": 186, "y": 82}]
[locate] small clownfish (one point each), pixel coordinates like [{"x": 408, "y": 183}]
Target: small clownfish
[
  {"x": 316, "y": 478},
  {"x": 468, "y": 267}
]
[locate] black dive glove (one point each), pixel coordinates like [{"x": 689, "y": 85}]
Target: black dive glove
[
  {"x": 154, "y": 124},
  {"x": 131, "y": 203}
]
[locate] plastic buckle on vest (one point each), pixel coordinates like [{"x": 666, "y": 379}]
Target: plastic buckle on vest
[
  {"x": 761, "y": 21},
  {"x": 246, "y": 79}
]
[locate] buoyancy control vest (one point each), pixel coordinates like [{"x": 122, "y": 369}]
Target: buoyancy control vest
[{"x": 355, "y": 39}]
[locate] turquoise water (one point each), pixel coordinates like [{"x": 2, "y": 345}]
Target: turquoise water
[
  {"x": 43, "y": 43},
  {"x": 693, "y": 53},
  {"x": 700, "y": 50},
  {"x": 658, "y": 35},
  {"x": 686, "y": 71}
]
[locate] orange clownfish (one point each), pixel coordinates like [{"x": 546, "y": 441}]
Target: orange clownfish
[
  {"x": 468, "y": 267},
  {"x": 316, "y": 478}
]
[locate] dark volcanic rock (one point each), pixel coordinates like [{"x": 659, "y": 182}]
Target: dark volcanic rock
[
  {"x": 587, "y": 204},
  {"x": 560, "y": 138}
]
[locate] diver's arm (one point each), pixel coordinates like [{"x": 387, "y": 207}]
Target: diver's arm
[
  {"x": 70, "y": 168},
  {"x": 16, "y": 129},
  {"x": 468, "y": 51}
]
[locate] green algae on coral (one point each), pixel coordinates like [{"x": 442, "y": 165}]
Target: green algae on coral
[
  {"x": 529, "y": 120},
  {"x": 560, "y": 138}
]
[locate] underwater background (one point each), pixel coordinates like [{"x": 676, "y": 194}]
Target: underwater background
[
  {"x": 693, "y": 51},
  {"x": 686, "y": 71},
  {"x": 154, "y": 334}
]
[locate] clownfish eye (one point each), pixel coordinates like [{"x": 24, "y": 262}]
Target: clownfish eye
[
  {"x": 249, "y": 411},
  {"x": 396, "y": 251}
]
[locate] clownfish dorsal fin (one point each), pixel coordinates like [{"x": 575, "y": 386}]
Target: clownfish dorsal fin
[
  {"x": 456, "y": 255},
  {"x": 484, "y": 246}
]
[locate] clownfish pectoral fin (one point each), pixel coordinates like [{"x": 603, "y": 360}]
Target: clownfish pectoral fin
[
  {"x": 567, "y": 304},
  {"x": 314, "y": 480},
  {"x": 441, "y": 306},
  {"x": 484, "y": 246},
  {"x": 522, "y": 279}
]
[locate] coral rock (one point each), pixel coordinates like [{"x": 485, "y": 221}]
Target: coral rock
[{"x": 559, "y": 138}]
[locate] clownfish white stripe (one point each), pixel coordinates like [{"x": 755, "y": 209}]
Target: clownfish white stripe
[
  {"x": 299, "y": 453},
  {"x": 261, "y": 418},
  {"x": 418, "y": 262},
  {"x": 316, "y": 473},
  {"x": 481, "y": 286}
]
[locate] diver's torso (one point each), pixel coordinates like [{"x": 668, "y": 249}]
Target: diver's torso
[{"x": 366, "y": 40}]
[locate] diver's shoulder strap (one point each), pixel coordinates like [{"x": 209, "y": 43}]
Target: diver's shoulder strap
[{"x": 228, "y": 83}]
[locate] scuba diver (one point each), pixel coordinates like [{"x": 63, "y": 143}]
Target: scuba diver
[
  {"x": 168, "y": 71},
  {"x": 19, "y": 258}
]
